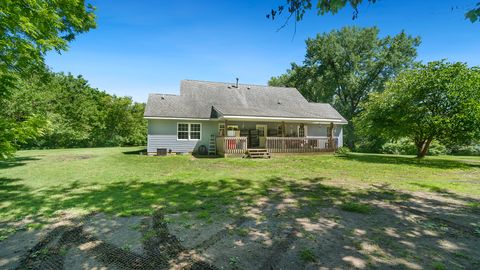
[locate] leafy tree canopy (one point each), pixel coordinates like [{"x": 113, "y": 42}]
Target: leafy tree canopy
[
  {"x": 297, "y": 8},
  {"x": 343, "y": 66},
  {"x": 437, "y": 101},
  {"x": 72, "y": 114},
  {"x": 30, "y": 28}
]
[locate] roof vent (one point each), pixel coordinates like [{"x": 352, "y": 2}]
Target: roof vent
[
  {"x": 248, "y": 87},
  {"x": 162, "y": 97},
  {"x": 279, "y": 102}
]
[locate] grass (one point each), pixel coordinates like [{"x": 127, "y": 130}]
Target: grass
[
  {"x": 356, "y": 207},
  {"x": 307, "y": 255},
  {"x": 39, "y": 183}
]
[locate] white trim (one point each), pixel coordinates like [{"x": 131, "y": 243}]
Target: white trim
[
  {"x": 189, "y": 131},
  {"x": 239, "y": 117},
  {"x": 177, "y": 118},
  {"x": 224, "y": 129},
  {"x": 265, "y": 130},
  {"x": 305, "y": 130}
]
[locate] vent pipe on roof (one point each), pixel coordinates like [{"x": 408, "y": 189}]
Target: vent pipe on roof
[{"x": 236, "y": 85}]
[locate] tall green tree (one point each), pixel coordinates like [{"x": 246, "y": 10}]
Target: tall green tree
[
  {"x": 28, "y": 30},
  {"x": 343, "y": 66},
  {"x": 437, "y": 101}
]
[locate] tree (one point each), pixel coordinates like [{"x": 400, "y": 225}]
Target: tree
[
  {"x": 28, "y": 30},
  {"x": 74, "y": 114},
  {"x": 437, "y": 101},
  {"x": 298, "y": 8},
  {"x": 342, "y": 67}
]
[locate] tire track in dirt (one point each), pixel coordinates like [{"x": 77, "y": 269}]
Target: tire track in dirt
[
  {"x": 279, "y": 250},
  {"x": 449, "y": 223},
  {"x": 161, "y": 249},
  {"x": 220, "y": 234}
]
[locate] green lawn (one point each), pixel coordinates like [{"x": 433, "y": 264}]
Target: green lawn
[{"x": 118, "y": 180}]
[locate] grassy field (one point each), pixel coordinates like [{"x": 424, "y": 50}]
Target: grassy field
[
  {"x": 118, "y": 180},
  {"x": 308, "y": 192}
]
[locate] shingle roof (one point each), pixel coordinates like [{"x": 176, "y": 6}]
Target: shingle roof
[{"x": 197, "y": 99}]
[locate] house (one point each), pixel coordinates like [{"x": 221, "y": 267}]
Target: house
[{"x": 231, "y": 119}]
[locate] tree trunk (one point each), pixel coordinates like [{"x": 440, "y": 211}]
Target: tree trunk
[
  {"x": 349, "y": 132},
  {"x": 422, "y": 148}
]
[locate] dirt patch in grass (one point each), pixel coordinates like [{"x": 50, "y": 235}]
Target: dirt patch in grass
[
  {"x": 72, "y": 157},
  {"x": 294, "y": 227}
]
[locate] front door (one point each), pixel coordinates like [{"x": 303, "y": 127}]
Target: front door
[{"x": 262, "y": 135}]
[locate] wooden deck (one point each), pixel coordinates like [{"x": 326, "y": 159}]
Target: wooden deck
[{"x": 237, "y": 146}]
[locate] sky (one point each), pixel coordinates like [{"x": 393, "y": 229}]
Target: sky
[{"x": 141, "y": 47}]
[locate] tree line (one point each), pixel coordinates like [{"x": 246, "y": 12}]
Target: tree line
[
  {"x": 66, "y": 112},
  {"x": 385, "y": 94}
]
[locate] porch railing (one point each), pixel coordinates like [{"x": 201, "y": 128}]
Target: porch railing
[
  {"x": 300, "y": 144},
  {"x": 231, "y": 145}
]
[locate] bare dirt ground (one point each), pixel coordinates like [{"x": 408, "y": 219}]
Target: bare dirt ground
[{"x": 283, "y": 230}]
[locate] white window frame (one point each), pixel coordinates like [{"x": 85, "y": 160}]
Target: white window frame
[
  {"x": 189, "y": 129},
  {"x": 265, "y": 129},
  {"x": 221, "y": 126},
  {"x": 305, "y": 131}
]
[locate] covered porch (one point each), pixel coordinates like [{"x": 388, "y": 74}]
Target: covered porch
[{"x": 235, "y": 138}]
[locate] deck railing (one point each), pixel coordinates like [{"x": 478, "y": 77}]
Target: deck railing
[
  {"x": 300, "y": 144},
  {"x": 231, "y": 145}
]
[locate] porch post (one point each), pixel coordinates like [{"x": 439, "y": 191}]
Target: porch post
[{"x": 330, "y": 138}]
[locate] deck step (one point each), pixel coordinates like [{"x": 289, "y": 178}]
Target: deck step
[{"x": 258, "y": 153}]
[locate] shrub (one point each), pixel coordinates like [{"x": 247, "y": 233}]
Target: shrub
[
  {"x": 400, "y": 147},
  {"x": 405, "y": 146},
  {"x": 342, "y": 150},
  {"x": 466, "y": 150}
]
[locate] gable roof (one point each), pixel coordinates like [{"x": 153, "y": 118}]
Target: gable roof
[{"x": 206, "y": 100}]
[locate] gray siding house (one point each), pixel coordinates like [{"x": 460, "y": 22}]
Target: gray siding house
[{"x": 231, "y": 119}]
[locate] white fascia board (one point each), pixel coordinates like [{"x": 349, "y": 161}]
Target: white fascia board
[
  {"x": 176, "y": 118},
  {"x": 281, "y": 119}
]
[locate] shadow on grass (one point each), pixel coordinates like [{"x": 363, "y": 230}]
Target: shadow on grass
[
  {"x": 437, "y": 163},
  {"x": 136, "y": 152},
  {"x": 15, "y": 162},
  {"x": 313, "y": 203},
  {"x": 195, "y": 155}
]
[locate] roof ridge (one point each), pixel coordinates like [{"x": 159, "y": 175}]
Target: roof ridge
[
  {"x": 157, "y": 94},
  {"x": 233, "y": 83}
]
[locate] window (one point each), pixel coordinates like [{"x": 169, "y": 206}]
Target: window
[
  {"x": 232, "y": 131},
  {"x": 301, "y": 130},
  {"x": 221, "y": 129},
  {"x": 182, "y": 131},
  {"x": 189, "y": 131},
  {"x": 195, "y": 130}
]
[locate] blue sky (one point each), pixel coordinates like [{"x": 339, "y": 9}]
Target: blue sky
[{"x": 141, "y": 47}]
